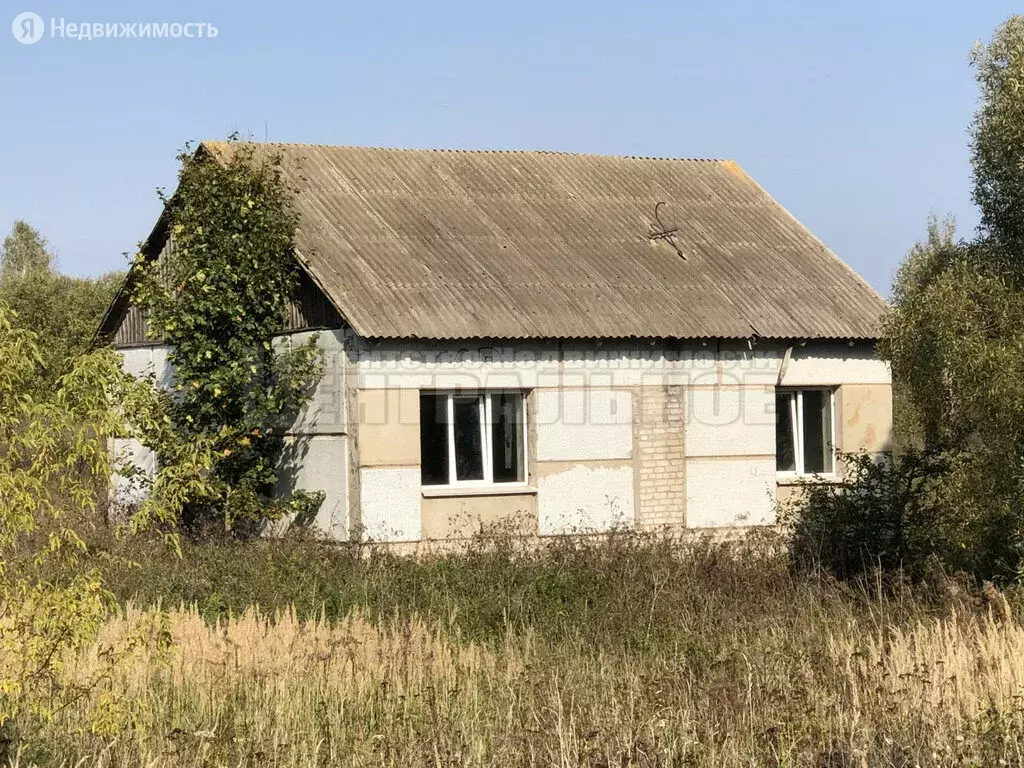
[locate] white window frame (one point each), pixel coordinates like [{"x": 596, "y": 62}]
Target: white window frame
[
  {"x": 796, "y": 414},
  {"x": 486, "y": 441}
]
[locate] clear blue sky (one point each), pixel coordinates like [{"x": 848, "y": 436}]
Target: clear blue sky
[{"x": 854, "y": 117}]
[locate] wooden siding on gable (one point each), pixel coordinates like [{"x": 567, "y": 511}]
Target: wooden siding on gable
[
  {"x": 308, "y": 309},
  {"x": 132, "y": 332}
]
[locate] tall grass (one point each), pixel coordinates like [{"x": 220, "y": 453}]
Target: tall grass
[
  {"x": 627, "y": 591},
  {"x": 636, "y": 652}
]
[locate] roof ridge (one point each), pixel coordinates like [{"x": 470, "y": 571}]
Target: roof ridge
[{"x": 454, "y": 150}]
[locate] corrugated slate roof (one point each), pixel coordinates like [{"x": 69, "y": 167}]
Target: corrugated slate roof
[{"x": 506, "y": 245}]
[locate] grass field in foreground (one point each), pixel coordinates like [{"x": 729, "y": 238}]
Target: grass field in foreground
[{"x": 698, "y": 656}]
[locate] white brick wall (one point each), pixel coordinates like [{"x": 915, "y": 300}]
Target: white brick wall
[{"x": 662, "y": 456}]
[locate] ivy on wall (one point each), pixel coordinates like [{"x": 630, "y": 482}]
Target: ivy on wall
[{"x": 218, "y": 297}]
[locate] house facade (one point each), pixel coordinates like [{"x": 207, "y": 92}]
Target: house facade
[{"x": 558, "y": 344}]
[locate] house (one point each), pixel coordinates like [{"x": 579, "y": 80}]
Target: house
[{"x": 559, "y": 342}]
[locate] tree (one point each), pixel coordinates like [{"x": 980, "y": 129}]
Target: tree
[
  {"x": 955, "y": 339},
  {"x": 24, "y": 253},
  {"x": 955, "y": 333},
  {"x": 997, "y": 139},
  {"x": 218, "y": 298},
  {"x": 62, "y": 311},
  {"x": 54, "y": 467}
]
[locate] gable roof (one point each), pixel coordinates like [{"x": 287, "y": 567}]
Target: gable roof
[{"x": 469, "y": 244}]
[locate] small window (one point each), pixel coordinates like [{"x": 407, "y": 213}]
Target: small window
[
  {"x": 472, "y": 438},
  {"x": 803, "y": 431}
]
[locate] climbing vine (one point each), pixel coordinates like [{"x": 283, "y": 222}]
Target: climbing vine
[{"x": 218, "y": 297}]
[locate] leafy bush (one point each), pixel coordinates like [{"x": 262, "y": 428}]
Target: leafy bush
[
  {"x": 54, "y": 466},
  {"x": 906, "y": 514},
  {"x": 954, "y": 339}
]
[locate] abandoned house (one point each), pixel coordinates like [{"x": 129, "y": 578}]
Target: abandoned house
[{"x": 560, "y": 343}]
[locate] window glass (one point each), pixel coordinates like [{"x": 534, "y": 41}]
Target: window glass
[
  {"x": 469, "y": 457},
  {"x": 814, "y": 431},
  {"x": 433, "y": 438},
  {"x": 472, "y": 438},
  {"x": 507, "y": 438},
  {"x": 803, "y": 431},
  {"x": 785, "y": 457}
]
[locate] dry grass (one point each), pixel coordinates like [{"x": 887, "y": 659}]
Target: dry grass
[
  {"x": 637, "y": 652},
  {"x": 257, "y": 691}
]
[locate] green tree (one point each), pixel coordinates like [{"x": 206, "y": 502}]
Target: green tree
[
  {"x": 997, "y": 140},
  {"x": 218, "y": 298},
  {"x": 62, "y": 311},
  {"x": 55, "y": 465},
  {"x": 955, "y": 335},
  {"x": 24, "y": 252}
]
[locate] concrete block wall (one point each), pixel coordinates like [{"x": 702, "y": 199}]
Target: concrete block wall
[
  {"x": 730, "y": 455},
  {"x": 620, "y": 434},
  {"x": 584, "y": 496},
  {"x": 617, "y": 429},
  {"x": 318, "y": 444},
  {"x": 584, "y": 459},
  {"x": 865, "y": 418},
  {"x": 462, "y": 517},
  {"x": 388, "y": 436},
  {"x": 129, "y": 490}
]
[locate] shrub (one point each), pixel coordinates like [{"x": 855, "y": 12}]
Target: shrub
[{"x": 905, "y": 514}]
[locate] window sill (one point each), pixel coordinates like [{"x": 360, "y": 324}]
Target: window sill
[
  {"x": 828, "y": 479},
  {"x": 442, "y": 491}
]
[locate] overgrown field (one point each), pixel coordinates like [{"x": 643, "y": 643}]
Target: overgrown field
[{"x": 635, "y": 652}]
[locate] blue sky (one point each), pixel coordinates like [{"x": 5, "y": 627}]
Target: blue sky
[{"x": 853, "y": 115}]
